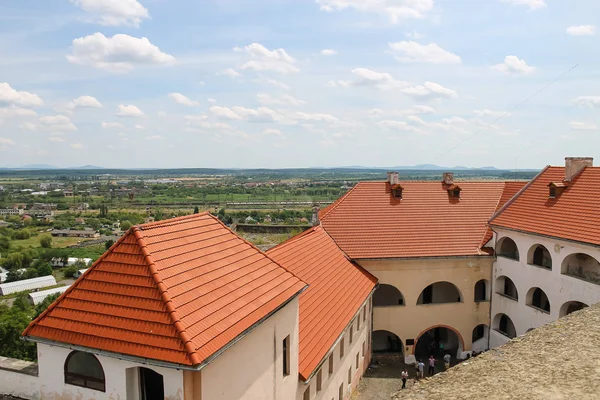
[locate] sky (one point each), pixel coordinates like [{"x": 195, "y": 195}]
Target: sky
[{"x": 298, "y": 83}]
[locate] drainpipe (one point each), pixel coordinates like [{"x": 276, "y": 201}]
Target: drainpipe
[{"x": 491, "y": 284}]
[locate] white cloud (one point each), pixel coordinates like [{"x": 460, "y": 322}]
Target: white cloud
[
  {"x": 128, "y": 111},
  {"x": 415, "y": 35},
  {"x": 582, "y": 30},
  {"x": 273, "y": 132},
  {"x": 211, "y": 100},
  {"x": 77, "y": 146},
  {"x": 512, "y": 65},
  {"x": 328, "y": 52},
  {"x": 230, "y": 72},
  {"x": 414, "y": 110},
  {"x": 56, "y": 139},
  {"x": 430, "y": 91},
  {"x": 396, "y": 10},
  {"x": 285, "y": 99},
  {"x": 6, "y": 141},
  {"x": 114, "y": 12},
  {"x": 140, "y": 127},
  {"x": 57, "y": 123},
  {"x": 315, "y": 117},
  {"x": 12, "y": 111},
  {"x": 367, "y": 77},
  {"x": 110, "y": 125},
  {"x": 154, "y": 137},
  {"x": 224, "y": 112},
  {"x": 278, "y": 84},
  {"x": 582, "y": 126},
  {"x": 201, "y": 126},
  {"x": 413, "y": 52},
  {"x": 201, "y": 83},
  {"x": 261, "y": 114},
  {"x": 263, "y": 59},
  {"x": 84, "y": 102},
  {"x": 30, "y": 126},
  {"x": 161, "y": 114},
  {"x": 183, "y": 100},
  {"x": 488, "y": 113},
  {"x": 532, "y": 4},
  {"x": 10, "y": 96},
  {"x": 119, "y": 53},
  {"x": 587, "y": 101}
]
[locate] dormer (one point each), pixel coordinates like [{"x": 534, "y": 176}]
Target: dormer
[
  {"x": 555, "y": 189},
  {"x": 454, "y": 191}
]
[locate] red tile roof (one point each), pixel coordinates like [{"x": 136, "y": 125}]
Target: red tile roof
[
  {"x": 574, "y": 214},
  {"x": 337, "y": 289},
  {"x": 368, "y": 222},
  {"x": 510, "y": 189},
  {"x": 177, "y": 291}
]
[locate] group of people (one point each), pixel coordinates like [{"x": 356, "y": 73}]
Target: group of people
[{"x": 420, "y": 367}]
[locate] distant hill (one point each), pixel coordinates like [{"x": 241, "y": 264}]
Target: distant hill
[
  {"x": 87, "y": 167},
  {"x": 37, "y": 166}
]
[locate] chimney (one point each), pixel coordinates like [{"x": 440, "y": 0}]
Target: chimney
[
  {"x": 393, "y": 178},
  {"x": 315, "y": 216},
  {"x": 574, "y": 165},
  {"x": 448, "y": 178}
]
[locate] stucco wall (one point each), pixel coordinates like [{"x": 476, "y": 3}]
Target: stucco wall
[
  {"x": 331, "y": 383},
  {"x": 253, "y": 367},
  {"x": 411, "y": 277},
  {"x": 558, "y": 287},
  {"x": 18, "y": 378},
  {"x": 51, "y": 360}
]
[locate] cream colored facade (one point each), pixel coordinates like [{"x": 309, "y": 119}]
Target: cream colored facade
[{"x": 410, "y": 320}]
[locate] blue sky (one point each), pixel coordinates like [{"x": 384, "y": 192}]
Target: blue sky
[{"x": 275, "y": 84}]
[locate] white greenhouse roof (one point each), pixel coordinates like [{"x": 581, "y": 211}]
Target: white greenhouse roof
[
  {"x": 27, "y": 284},
  {"x": 37, "y": 297}
]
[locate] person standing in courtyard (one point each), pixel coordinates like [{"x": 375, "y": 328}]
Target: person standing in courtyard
[
  {"x": 404, "y": 376},
  {"x": 421, "y": 368},
  {"x": 447, "y": 361},
  {"x": 431, "y": 370}
]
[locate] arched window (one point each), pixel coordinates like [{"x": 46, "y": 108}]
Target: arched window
[
  {"x": 506, "y": 287},
  {"x": 84, "y": 369},
  {"x": 507, "y": 248},
  {"x": 481, "y": 291},
  {"x": 571, "y": 306},
  {"x": 582, "y": 266},
  {"x": 504, "y": 325},
  {"x": 478, "y": 332},
  {"x": 387, "y": 295},
  {"x": 440, "y": 292},
  {"x": 537, "y": 298},
  {"x": 539, "y": 256}
]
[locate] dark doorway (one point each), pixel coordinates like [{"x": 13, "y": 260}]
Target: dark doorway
[
  {"x": 437, "y": 342},
  {"x": 151, "y": 385},
  {"x": 428, "y": 295}
]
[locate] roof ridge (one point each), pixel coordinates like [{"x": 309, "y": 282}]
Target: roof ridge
[
  {"x": 179, "y": 327},
  {"x": 340, "y": 200},
  {"x": 171, "y": 221},
  {"x": 72, "y": 286},
  {"x": 257, "y": 249},
  {"x": 516, "y": 196}
]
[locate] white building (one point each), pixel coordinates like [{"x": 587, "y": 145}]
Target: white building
[
  {"x": 11, "y": 211},
  {"x": 186, "y": 309},
  {"x": 27, "y": 284},
  {"x": 36, "y": 298},
  {"x": 547, "y": 241}
]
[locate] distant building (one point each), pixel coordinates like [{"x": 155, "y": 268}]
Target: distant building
[
  {"x": 86, "y": 233},
  {"x": 11, "y": 211},
  {"x": 27, "y": 284},
  {"x": 79, "y": 273},
  {"x": 36, "y": 298}
]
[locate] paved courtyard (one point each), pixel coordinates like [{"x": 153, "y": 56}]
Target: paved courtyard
[{"x": 382, "y": 379}]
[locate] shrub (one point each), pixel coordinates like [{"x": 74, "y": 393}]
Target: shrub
[
  {"x": 69, "y": 272},
  {"x": 22, "y": 234},
  {"x": 44, "y": 270},
  {"x": 46, "y": 241}
]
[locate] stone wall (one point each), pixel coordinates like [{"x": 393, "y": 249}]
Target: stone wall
[{"x": 18, "y": 378}]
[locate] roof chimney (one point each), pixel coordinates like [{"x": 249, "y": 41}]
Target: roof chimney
[
  {"x": 574, "y": 165},
  {"x": 393, "y": 178},
  {"x": 315, "y": 216},
  {"x": 448, "y": 178}
]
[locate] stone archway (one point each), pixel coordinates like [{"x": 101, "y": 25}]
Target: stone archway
[
  {"x": 386, "y": 342},
  {"x": 439, "y": 340}
]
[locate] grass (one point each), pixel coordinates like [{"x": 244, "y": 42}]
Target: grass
[{"x": 34, "y": 242}]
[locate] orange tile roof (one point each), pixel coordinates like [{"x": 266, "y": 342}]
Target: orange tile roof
[
  {"x": 368, "y": 222},
  {"x": 573, "y": 215},
  {"x": 337, "y": 289},
  {"x": 177, "y": 291},
  {"x": 510, "y": 189}
]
